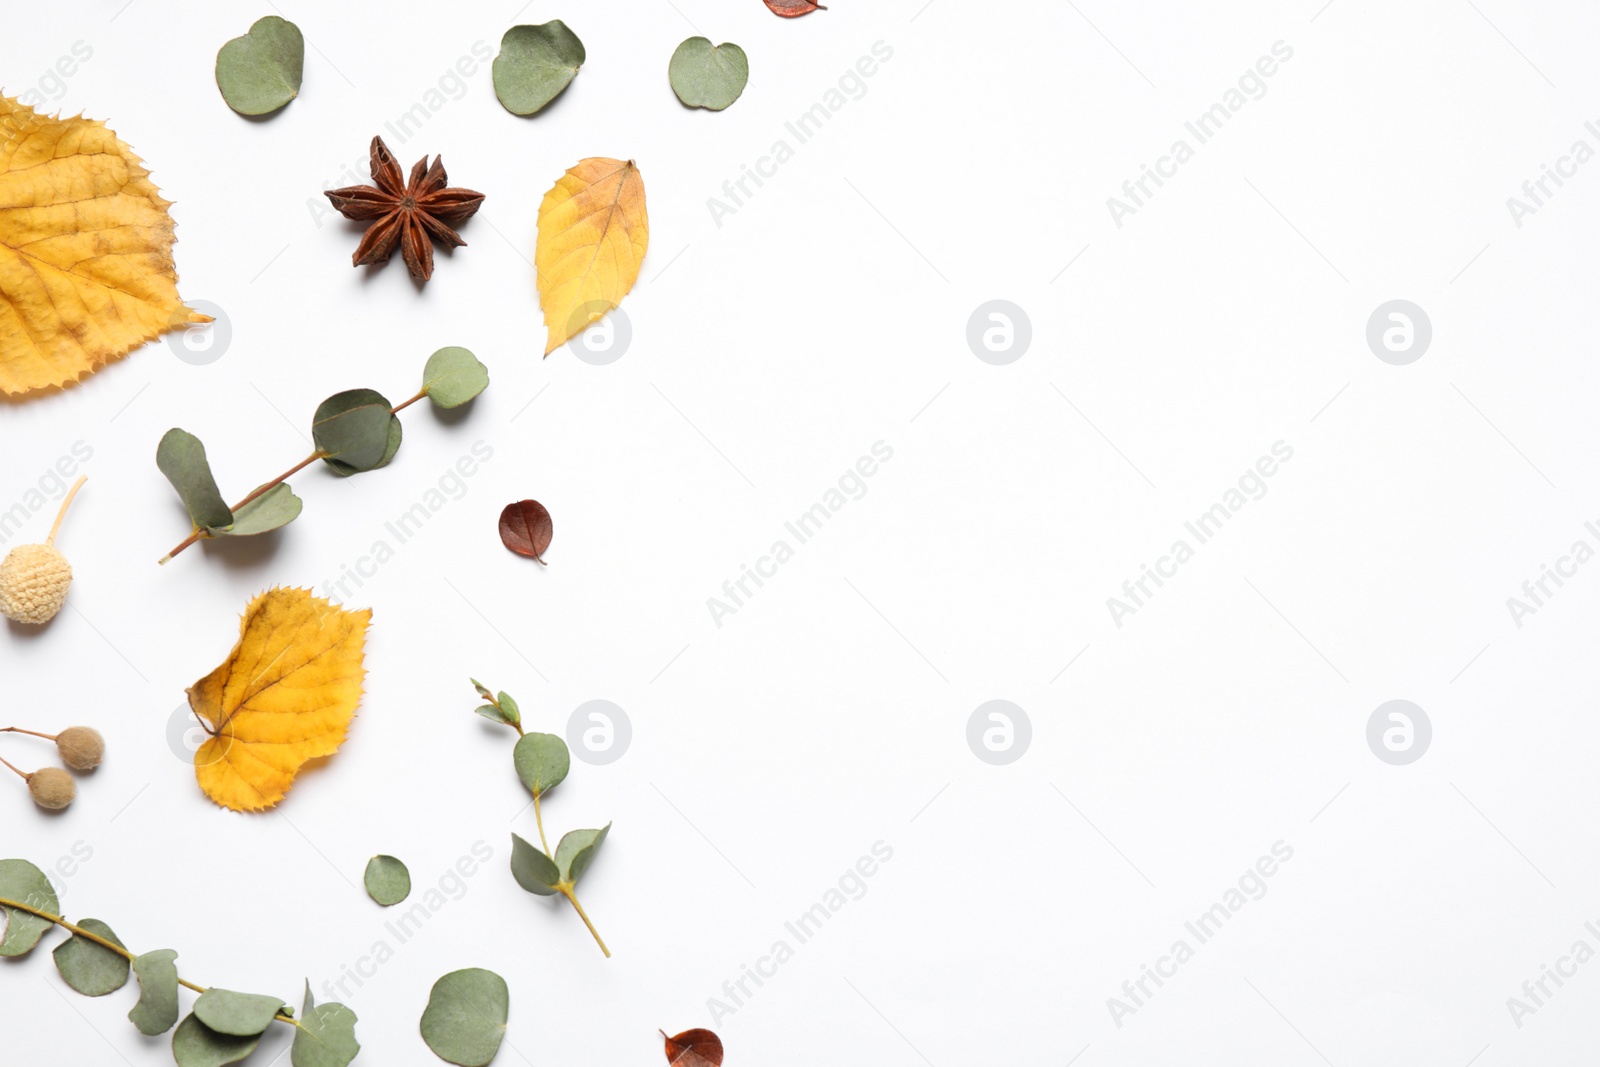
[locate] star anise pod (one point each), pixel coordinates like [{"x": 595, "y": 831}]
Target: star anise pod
[{"x": 405, "y": 214}]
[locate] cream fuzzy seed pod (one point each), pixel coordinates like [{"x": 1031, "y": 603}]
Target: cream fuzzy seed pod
[
  {"x": 81, "y": 747},
  {"x": 51, "y": 788},
  {"x": 33, "y": 583}
]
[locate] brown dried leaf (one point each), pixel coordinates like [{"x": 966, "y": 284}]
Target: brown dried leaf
[
  {"x": 694, "y": 1048},
  {"x": 793, "y": 9},
  {"x": 525, "y": 528}
]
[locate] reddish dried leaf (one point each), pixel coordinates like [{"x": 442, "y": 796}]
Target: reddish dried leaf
[
  {"x": 525, "y": 528},
  {"x": 694, "y": 1048},
  {"x": 793, "y": 9}
]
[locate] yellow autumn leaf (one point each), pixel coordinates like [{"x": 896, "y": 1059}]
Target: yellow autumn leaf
[
  {"x": 593, "y": 232},
  {"x": 283, "y": 696},
  {"x": 86, "y": 272}
]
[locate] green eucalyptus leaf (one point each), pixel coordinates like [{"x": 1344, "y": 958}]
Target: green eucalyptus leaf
[
  {"x": 465, "y": 1020},
  {"x": 194, "y": 1044},
  {"x": 26, "y": 884},
  {"x": 92, "y": 969},
  {"x": 482, "y": 689},
  {"x": 387, "y": 880},
  {"x": 706, "y": 75},
  {"x": 326, "y": 1036},
  {"x": 513, "y": 713},
  {"x": 535, "y": 64},
  {"x": 157, "y": 1009},
  {"x": 237, "y": 1014},
  {"x": 182, "y": 458},
  {"x": 261, "y": 71},
  {"x": 542, "y": 762},
  {"x": 577, "y": 850},
  {"x": 533, "y": 870},
  {"x": 489, "y": 711},
  {"x": 356, "y": 431},
  {"x": 453, "y": 376},
  {"x": 276, "y": 507}
]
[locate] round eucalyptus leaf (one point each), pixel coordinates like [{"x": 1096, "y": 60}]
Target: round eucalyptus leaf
[
  {"x": 276, "y": 507},
  {"x": 465, "y": 1020},
  {"x": 356, "y": 431},
  {"x": 326, "y": 1036},
  {"x": 261, "y": 71},
  {"x": 157, "y": 1009},
  {"x": 388, "y": 882},
  {"x": 453, "y": 376},
  {"x": 542, "y": 761},
  {"x": 577, "y": 850},
  {"x": 26, "y": 884},
  {"x": 182, "y": 458},
  {"x": 707, "y": 75},
  {"x": 535, "y": 64},
  {"x": 92, "y": 969},
  {"x": 533, "y": 870},
  {"x": 194, "y": 1044},
  {"x": 236, "y": 1014}
]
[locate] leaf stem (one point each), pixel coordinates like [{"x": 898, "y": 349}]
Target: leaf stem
[
  {"x": 566, "y": 891},
  {"x": 20, "y": 774},
  {"x": 256, "y": 495},
  {"x": 408, "y": 403},
  {"x": 89, "y": 935},
  {"x": 20, "y": 730},
  {"x": 65, "y": 504},
  {"x": 536, "y": 818}
]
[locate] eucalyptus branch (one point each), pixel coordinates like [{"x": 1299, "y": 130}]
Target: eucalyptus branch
[
  {"x": 223, "y": 1026},
  {"x": 112, "y": 946},
  {"x": 542, "y": 762},
  {"x": 352, "y": 432}
]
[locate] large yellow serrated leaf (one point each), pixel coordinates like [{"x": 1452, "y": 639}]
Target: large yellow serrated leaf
[
  {"x": 283, "y": 696},
  {"x": 593, "y": 232},
  {"x": 86, "y": 272}
]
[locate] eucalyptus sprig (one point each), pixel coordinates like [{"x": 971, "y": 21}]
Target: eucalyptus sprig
[
  {"x": 222, "y": 1027},
  {"x": 353, "y": 431},
  {"x": 542, "y": 761}
]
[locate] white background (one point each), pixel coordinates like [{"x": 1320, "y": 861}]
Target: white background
[{"x": 829, "y": 312}]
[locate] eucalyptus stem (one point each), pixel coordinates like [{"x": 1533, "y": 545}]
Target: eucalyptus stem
[
  {"x": 89, "y": 935},
  {"x": 540, "y": 820},
  {"x": 258, "y": 493},
  {"x": 566, "y": 891},
  {"x": 408, "y": 403}
]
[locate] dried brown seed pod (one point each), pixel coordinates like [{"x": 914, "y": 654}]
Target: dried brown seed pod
[
  {"x": 51, "y": 788},
  {"x": 81, "y": 747}
]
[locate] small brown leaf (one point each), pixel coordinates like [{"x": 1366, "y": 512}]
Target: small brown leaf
[
  {"x": 694, "y": 1048},
  {"x": 793, "y": 9},
  {"x": 525, "y": 528}
]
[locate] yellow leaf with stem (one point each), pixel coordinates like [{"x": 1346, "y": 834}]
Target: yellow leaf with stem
[
  {"x": 593, "y": 233},
  {"x": 86, "y": 271},
  {"x": 285, "y": 695}
]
